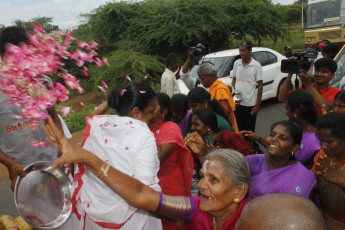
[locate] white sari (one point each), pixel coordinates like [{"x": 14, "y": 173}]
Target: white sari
[{"x": 130, "y": 147}]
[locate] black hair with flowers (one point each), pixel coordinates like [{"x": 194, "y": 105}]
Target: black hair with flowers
[{"x": 129, "y": 96}]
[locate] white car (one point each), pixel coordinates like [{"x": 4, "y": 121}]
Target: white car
[{"x": 224, "y": 60}]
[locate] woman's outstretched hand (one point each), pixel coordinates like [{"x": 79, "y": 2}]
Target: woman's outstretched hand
[
  {"x": 70, "y": 153},
  {"x": 250, "y": 134}
]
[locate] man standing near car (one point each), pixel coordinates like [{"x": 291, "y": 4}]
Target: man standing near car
[
  {"x": 169, "y": 84},
  {"x": 247, "y": 76}
]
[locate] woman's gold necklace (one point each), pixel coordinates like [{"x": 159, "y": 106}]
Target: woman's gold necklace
[{"x": 214, "y": 223}]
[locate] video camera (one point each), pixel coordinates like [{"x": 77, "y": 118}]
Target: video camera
[
  {"x": 301, "y": 61},
  {"x": 199, "y": 49}
]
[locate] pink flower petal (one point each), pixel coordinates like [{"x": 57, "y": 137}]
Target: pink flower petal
[
  {"x": 82, "y": 44},
  {"x": 98, "y": 62},
  {"x": 44, "y": 144},
  {"x": 122, "y": 91},
  {"x": 99, "y": 108},
  {"x": 142, "y": 91},
  {"x": 130, "y": 122},
  {"x": 88, "y": 205},
  {"x": 126, "y": 148},
  {"x": 177, "y": 71},
  {"x": 128, "y": 78},
  {"x": 146, "y": 76},
  {"x": 81, "y": 103},
  {"x": 105, "y": 61},
  {"x": 102, "y": 89},
  {"x": 84, "y": 71},
  {"x": 18, "y": 117},
  {"x": 27, "y": 140},
  {"x": 106, "y": 140},
  {"x": 104, "y": 84},
  {"x": 36, "y": 143},
  {"x": 65, "y": 111}
]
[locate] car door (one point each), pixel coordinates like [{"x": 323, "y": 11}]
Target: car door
[{"x": 271, "y": 70}]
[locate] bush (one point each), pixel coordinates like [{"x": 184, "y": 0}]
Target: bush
[{"x": 75, "y": 121}]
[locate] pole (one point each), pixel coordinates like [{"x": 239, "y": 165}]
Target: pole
[{"x": 302, "y": 15}]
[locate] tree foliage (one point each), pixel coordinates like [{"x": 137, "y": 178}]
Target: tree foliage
[
  {"x": 46, "y": 22},
  {"x": 134, "y": 64},
  {"x": 161, "y": 26}
]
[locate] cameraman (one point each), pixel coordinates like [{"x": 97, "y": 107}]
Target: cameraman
[
  {"x": 185, "y": 70},
  {"x": 321, "y": 91}
]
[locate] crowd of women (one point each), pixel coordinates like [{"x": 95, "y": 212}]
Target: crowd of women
[
  {"x": 139, "y": 167},
  {"x": 179, "y": 163}
]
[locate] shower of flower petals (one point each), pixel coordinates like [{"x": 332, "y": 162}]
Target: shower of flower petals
[
  {"x": 146, "y": 76},
  {"x": 122, "y": 91},
  {"x": 128, "y": 78},
  {"x": 177, "y": 71},
  {"x": 102, "y": 89},
  {"x": 104, "y": 84},
  {"x": 142, "y": 91},
  {"x": 25, "y": 70},
  {"x": 65, "y": 111}
]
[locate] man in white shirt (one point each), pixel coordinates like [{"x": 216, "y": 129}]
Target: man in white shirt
[
  {"x": 247, "y": 75},
  {"x": 185, "y": 70},
  {"x": 169, "y": 84}
]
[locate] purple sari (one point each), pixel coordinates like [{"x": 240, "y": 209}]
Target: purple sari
[
  {"x": 295, "y": 179},
  {"x": 184, "y": 123},
  {"x": 310, "y": 145}
]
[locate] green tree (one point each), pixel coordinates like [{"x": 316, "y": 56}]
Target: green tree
[
  {"x": 46, "y": 23},
  {"x": 261, "y": 19}
]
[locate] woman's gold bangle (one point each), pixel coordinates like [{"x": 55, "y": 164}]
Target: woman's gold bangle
[{"x": 104, "y": 169}]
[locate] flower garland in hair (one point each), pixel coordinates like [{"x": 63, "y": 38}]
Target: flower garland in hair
[{"x": 25, "y": 69}]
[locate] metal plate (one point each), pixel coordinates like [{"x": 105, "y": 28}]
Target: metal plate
[{"x": 43, "y": 196}]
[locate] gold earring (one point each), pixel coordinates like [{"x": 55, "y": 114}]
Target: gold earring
[
  {"x": 237, "y": 200},
  {"x": 206, "y": 106},
  {"x": 292, "y": 153},
  {"x": 295, "y": 115}
]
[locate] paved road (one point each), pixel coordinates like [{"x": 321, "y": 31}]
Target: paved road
[{"x": 270, "y": 111}]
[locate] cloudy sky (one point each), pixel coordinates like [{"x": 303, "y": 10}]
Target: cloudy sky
[{"x": 65, "y": 13}]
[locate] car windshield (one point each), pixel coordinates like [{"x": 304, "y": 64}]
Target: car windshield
[
  {"x": 220, "y": 64},
  {"x": 323, "y": 13}
]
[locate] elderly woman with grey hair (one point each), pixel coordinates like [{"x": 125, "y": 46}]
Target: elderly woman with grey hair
[
  {"x": 225, "y": 180},
  {"x": 218, "y": 90}
]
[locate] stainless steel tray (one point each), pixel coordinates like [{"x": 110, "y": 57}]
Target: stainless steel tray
[{"x": 43, "y": 196}]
